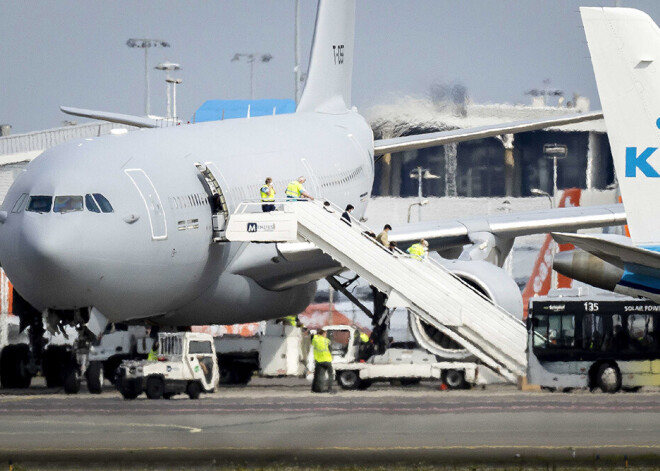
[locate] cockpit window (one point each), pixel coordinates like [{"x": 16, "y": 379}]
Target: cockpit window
[
  {"x": 105, "y": 205},
  {"x": 91, "y": 204},
  {"x": 40, "y": 204},
  {"x": 20, "y": 203},
  {"x": 67, "y": 204}
]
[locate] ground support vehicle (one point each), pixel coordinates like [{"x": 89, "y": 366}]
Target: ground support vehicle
[
  {"x": 584, "y": 339},
  {"x": 65, "y": 360},
  {"x": 280, "y": 350},
  {"x": 117, "y": 344},
  {"x": 187, "y": 363},
  {"x": 405, "y": 366}
]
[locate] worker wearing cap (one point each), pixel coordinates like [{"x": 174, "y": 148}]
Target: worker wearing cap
[
  {"x": 419, "y": 251},
  {"x": 267, "y": 195},
  {"x": 322, "y": 363},
  {"x": 295, "y": 189}
]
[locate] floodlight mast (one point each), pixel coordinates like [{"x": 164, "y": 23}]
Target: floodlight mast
[
  {"x": 251, "y": 58},
  {"x": 146, "y": 44}
]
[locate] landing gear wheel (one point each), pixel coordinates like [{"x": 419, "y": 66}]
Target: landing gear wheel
[
  {"x": 71, "y": 378},
  {"x": 193, "y": 390},
  {"x": 348, "y": 379},
  {"x": 454, "y": 379},
  {"x": 14, "y": 367},
  {"x": 94, "y": 375},
  {"x": 155, "y": 387},
  {"x": 608, "y": 378}
]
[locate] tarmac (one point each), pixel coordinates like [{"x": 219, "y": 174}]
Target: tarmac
[{"x": 281, "y": 421}]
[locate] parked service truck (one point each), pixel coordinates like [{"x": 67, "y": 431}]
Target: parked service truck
[
  {"x": 407, "y": 366},
  {"x": 187, "y": 363}
]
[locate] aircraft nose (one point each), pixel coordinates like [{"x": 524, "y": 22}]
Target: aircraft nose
[{"x": 45, "y": 260}]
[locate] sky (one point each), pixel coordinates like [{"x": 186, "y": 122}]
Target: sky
[{"x": 74, "y": 53}]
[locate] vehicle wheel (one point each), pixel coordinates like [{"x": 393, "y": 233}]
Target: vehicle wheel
[
  {"x": 14, "y": 367},
  {"x": 129, "y": 394},
  {"x": 225, "y": 375},
  {"x": 608, "y": 378},
  {"x": 193, "y": 390},
  {"x": 94, "y": 375},
  {"x": 348, "y": 379},
  {"x": 454, "y": 379},
  {"x": 155, "y": 387},
  {"x": 71, "y": 378}
]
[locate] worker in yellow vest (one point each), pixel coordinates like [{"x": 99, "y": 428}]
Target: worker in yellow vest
[
  {"x": 290, "y": 320},
  {"x": 322, "y": 363},
  {"x": 267, "y": 195},
  {"x": 295, "y": 189},
  {"x": 419, "y": 251},
  {"x": 153, "y": 353}
]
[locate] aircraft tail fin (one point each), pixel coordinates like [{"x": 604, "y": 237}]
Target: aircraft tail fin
[
  {"x": 328, "y": 87},
  {"x": 625, "y": 52}
]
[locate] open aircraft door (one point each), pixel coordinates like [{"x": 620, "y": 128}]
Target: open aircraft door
[{"x": 220, "y": 204}]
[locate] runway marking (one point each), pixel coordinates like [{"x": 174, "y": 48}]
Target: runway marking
[{"x": 107, "y": 424}]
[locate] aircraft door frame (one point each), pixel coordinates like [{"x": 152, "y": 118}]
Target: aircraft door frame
[{"x": 152, "y": 201}]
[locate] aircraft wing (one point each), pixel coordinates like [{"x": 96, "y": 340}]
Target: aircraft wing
[
  {"x": 457, "y": 232},
  {"x": 421, "y": 141},
  {"x": 138, "y": 121},
  {"x": 610, "y": 250}
]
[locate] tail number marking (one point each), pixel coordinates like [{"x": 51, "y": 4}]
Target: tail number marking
[{"x": 338, "y": 53}]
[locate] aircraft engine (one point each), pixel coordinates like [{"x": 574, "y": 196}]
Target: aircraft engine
[
  {"x": 587, "y": 268},
  {"x": 488, "y": 279}
]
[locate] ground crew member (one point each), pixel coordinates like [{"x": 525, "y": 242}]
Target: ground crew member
[
  {"x": 383, "y": 236},
  {"x": 322, "y": 363},
  {"x": 296, "y": 190},
  {"x": 419, "y": 251},
  {"x": 268, "y": 195},
  {"x": 153, "y": 353},
  {"x": 290, "y": 320}
]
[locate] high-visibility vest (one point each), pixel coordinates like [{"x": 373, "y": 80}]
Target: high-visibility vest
[
  {"x": 290, "y": 320},
  {"x": 153, "y": 355},
  {"x": 267, "y": 193},
  {"x": 416, "y": 251},
  {"x": 294, "y": 189},
  {"x": 364, "y": 337},
  {"x": 321, "y": 349}
]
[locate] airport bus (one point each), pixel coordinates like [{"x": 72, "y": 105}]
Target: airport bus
[{"x": 603, "y": 340}]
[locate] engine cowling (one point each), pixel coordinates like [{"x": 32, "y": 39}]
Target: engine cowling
[{"x": 486, "y": 278}]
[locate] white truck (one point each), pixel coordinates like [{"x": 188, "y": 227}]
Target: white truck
[
  {"x": 187, "y": 363},
  {"x": 407, "y": 366},
  {"x": 280, "y": 350}
]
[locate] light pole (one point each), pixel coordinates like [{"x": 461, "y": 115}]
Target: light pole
[
  {"x": 554, "y": 152},
  {"x": 418, "y": 203},
  {"x": 537, "y": 192},
  {"x": 167, "y": 67},
  {"x": 174, "y": 83},
  {"x": 251, "y": 59},
  {"x": 146, "y": 44},
  {"x": 421, "y": 174}
]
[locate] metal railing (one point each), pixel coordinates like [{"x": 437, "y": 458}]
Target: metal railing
[{"x": 255, "y": 206}]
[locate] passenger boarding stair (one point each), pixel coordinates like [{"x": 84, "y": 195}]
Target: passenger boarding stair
[{"x": 426, "y": 288}]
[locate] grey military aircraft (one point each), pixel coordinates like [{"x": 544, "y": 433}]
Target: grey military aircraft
[{"x": 121, "y": 227}]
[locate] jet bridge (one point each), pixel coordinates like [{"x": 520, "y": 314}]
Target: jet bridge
[{"x": 427, "y": 289}]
